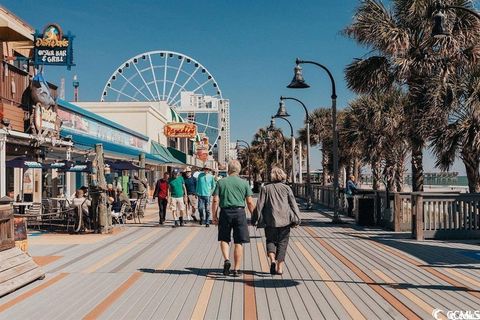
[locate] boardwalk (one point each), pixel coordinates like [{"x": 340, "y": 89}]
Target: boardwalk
[{"x": 332, "y": 272}]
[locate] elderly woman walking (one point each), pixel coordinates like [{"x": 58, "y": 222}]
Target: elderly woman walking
[{"x": 277, "y": 212}]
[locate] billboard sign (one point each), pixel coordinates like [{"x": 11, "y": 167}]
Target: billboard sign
[{"x": 180, "y": 130}]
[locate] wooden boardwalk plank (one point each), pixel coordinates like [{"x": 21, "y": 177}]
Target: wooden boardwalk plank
[{"x": 331, "y": 272}]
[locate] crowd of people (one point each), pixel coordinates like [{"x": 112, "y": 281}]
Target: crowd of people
[
  {"x": 224, "y": 201},
  {"x": 198, "y": 197}
]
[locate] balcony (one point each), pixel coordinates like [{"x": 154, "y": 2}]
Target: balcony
[{"x": 13, "y": 83}]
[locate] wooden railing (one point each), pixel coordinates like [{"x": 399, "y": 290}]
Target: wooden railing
[
  {"x": 445, "y": 216},
  {"x": 428, "y": 215},
  {"x": 13, "y": 83}
]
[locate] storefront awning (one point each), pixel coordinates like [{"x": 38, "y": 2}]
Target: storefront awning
[
  {"x": 122, "y": 165},
  {"x": 163, "y": 152},
  {"x": 22, "y": 162},
  {"x": 112, "y": 151}
]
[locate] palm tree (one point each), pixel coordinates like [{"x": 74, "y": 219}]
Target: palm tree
[
  {"x": 460, "y": 134},
  {"x": 376, "y": 123},
  {"x": 320, "y": 135},
  {"x": 407, "y": 56}
]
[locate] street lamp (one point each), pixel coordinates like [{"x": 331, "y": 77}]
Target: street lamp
[
  {"x": 307, "y": 119},
  {"x": 281, "y": 115},
  {"x": 272, "y": 128},
  {"x": 248, "y": 159},
  {"x": 438, "y": 30},
  {"x": 298, "y": 82}
]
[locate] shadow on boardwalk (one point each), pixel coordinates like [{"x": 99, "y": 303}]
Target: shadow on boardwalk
[
  {"x": 432, "y": 253},
  {"x": 264, "y": 279}
]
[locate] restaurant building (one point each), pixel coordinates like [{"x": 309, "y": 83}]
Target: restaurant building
[{"x": 21, "y": 145}]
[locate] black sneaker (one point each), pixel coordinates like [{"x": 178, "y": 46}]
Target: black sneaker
[
  {"x": 207, "y": 225},
  {"x": 201, "y": 222},
  {"x": 194, "y": 218},
  {"x": 226, "y": 267},
  {"x": 175, "y": 224},
  {"x": 236, "y": 273},
  {"x": 273, "y": 268}
]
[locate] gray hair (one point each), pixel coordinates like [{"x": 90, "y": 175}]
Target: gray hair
[
  {"x": 278, "y": 175},
  {"x": 234, "y": 167}
]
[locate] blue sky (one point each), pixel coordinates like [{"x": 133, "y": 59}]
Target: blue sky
[{"x": 249, "y": 46}]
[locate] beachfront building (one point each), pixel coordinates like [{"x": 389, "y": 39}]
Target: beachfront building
[{"x": 149, "y": 119}]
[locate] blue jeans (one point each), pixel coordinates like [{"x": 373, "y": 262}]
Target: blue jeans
[{"x": 204, "y": 207}]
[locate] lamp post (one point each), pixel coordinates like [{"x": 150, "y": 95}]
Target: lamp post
[
  {"x": 281, "y": 114},
  {"x": 298, "y": 82},
  {"x": 272, "y": 128},
  {"x": 438, "y": 30},
  {"x": 248, "y": 159},
  {"x": 307, "y": 119}
]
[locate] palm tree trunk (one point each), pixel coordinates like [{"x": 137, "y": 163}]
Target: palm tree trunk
[
  {"x": 399, "y": 176},
  {"x": 390, "y": 174},
  {"x": 375, "y": 175},
  {"x": 472, "y": 167},
  {"x": 417, "y": 163},
  {"x": 357, "y": 165},
  {"x": 324, "y": 165}
]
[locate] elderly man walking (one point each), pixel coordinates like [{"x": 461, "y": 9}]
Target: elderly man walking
[{"x": 231, "y": 194}]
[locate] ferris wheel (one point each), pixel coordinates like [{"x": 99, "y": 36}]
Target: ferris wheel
[{"x": 177, "y": 79}]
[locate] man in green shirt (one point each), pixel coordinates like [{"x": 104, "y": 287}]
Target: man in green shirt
[
  {"x": 231, "y": 194},
  {"x": 177, "y": 192}
]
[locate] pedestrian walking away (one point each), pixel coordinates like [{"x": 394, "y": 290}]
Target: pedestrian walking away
[
  {"x": 191, "y": 187},
  {"x": 177, "y": 193},
  {"x": 350, "y": 192},
  {"x": 231, "y": 194},
  {"x": 205, "y": 188},
  {"x": 161, "y": 193},
  {"x": 277, "y": 211}
]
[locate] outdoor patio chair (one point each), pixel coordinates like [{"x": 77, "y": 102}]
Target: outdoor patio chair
[
  {"x": 139, "y": 208},
  {"x": 121, "y": 216},
  {"x": 34, "y": 215}
]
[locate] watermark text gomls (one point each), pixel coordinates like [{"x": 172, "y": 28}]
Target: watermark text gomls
[{"x": 457, "y": 314}]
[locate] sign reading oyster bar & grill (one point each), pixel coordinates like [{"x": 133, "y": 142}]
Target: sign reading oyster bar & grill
[{"x": 180, "y": 130}]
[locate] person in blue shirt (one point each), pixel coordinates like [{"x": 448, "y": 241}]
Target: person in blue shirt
[
  {"x": 350, "y": 191},
  {"x": 191, "y": 186},
  {"x": 205, "y": 187}
]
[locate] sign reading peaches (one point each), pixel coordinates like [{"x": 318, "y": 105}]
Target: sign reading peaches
[{"x": 180, "y": 130}]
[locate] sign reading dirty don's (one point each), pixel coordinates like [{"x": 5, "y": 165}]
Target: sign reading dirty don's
[{"x": 52, "y": 47}]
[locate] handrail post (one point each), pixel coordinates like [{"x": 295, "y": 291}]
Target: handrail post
[
  {"x": 418, "y": 205},
  {"x": 397, "y": 212}
]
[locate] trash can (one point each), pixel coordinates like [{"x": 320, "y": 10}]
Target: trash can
[{"x": 366, "y": 211}]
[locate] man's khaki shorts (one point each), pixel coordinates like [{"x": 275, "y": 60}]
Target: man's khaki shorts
[
  {"x": 192, "y": 200},
  {"x": 177, "y": 204}
]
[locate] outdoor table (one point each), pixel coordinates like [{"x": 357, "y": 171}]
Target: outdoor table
[{"x": 21, "y": 206}]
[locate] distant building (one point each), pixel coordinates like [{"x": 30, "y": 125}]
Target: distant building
[{"x": 208, "y": 113}]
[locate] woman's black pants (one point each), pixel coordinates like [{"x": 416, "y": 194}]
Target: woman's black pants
[{"x": 277, "y": 241}]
